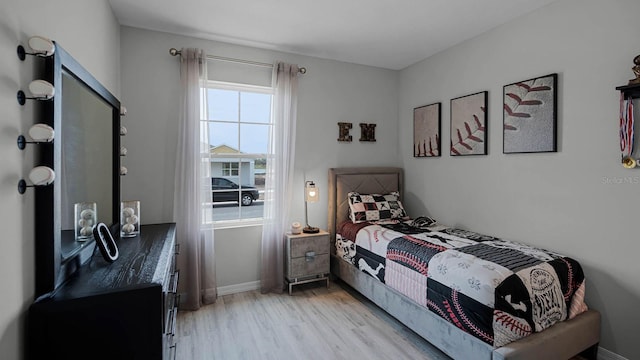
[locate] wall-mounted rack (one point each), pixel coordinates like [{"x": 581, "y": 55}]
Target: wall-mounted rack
[
  {"x": 632, "y": 91},
  {"x": 629, "y": 92}
]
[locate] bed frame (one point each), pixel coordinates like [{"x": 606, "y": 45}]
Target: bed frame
[{"x": 564, "y": 340}]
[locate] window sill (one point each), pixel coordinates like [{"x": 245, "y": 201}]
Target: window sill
[{"x": 230, "y": 224}]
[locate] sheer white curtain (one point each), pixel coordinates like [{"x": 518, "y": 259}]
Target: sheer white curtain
[
  {"x": 279, "y": 179},
  {"x": 196, "y": 259}
]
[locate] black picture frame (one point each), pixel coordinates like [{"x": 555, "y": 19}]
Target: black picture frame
[
  {"x": 469, "y": 125},
  {"x": 530, "y": 115}
]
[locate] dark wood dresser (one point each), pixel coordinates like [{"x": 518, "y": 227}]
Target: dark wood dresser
[{"x": 123, "y": 310}]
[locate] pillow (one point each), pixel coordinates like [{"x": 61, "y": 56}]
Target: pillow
[{"x": 375, "y": 207}]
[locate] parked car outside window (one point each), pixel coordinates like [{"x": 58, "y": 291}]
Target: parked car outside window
[{"x": 227, "y": 190}]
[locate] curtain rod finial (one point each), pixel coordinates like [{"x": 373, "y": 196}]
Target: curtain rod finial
[{"x": 174, "y": 52}]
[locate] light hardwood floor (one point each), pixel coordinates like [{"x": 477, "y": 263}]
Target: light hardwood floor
[{"x": 313, "y": 323}]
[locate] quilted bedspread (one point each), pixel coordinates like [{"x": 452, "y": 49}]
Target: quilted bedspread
[{"x": 497, "y": 290}]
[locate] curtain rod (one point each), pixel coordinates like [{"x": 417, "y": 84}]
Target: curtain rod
[{"x": 175, "y": 52}]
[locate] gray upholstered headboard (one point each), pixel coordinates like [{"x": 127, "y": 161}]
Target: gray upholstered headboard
[{"x": 365, "y": 180}]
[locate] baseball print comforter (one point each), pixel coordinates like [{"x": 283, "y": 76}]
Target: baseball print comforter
[{"x": 497, "y": 290}]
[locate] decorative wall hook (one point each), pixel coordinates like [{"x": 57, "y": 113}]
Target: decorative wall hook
[
  {"x": 41, "y": 46},
  {"x": 123, "y": 151},
  {"x": 40, "y": 89},
  {"x": 39, "y": 176},
  {"x": 123, "y": 130},
  {"x": 39, "y": 134},
  {"x": 123, "y": 110},
  {"x": 123, "y": 171}
]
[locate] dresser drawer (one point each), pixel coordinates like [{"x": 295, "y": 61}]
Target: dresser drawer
[
  {"x": 316, "y": 244},
  {"x": 309, "y": 266}
]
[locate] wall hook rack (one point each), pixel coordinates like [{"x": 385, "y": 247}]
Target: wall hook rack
[{"x": 22, "y": 142}]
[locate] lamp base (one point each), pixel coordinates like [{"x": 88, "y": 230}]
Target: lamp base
[{"x": 310, "y": 230}]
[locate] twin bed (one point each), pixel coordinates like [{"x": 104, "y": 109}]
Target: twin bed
[{"x": 473, "y": 296}]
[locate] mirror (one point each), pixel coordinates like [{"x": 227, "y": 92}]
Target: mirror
[{"x": 86, "y": 158}]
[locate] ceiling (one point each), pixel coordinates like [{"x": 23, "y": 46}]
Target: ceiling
[{"x": 390, "y": 34}]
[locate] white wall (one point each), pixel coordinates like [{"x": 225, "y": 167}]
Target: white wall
[
  {"x": 72, "y": 23},
  {"x": 329, "y": 93},
  {"x": 559, "y": 201}
]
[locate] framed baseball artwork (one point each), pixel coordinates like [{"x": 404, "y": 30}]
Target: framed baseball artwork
[
  {"x": 530, "y": 115},
  {"x": 469, "y": 125},
  {"x": 426, "y": 131}
]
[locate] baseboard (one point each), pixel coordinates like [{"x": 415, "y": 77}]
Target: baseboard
[
  {"x": 237, "y": 288},
  {"x": 604, "y": 354}
]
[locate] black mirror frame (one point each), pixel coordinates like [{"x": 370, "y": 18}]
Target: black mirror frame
[{"x": 51, "y": 269}]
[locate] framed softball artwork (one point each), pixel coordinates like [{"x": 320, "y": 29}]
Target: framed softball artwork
[
  {"x": 530, "y": 115},
  {"x": 469, "y": 125},
  {"x": 426, "y": 131}
]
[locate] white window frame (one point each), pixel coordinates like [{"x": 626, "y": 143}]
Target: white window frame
[{"x": 221, "y": 85}]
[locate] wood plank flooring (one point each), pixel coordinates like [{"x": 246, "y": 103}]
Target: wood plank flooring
[{"x": 313, "y": 323}]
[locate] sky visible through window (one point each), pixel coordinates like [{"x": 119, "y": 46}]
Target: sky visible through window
[{"x": 243, "y": 112}]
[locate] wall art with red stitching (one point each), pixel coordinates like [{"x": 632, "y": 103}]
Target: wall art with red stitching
[
  {"x": 530, "y": 116},
  {"x": 469, "y": 124},
  {"x": 426, "y": 131}
]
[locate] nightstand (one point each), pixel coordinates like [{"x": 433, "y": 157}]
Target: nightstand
[{"x": 306, "y": 258}]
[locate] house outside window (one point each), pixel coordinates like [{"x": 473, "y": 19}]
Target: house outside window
[{"x": 237, "y": 118}]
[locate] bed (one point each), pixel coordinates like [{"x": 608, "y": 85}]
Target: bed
[{"x": 562, "y": 340}]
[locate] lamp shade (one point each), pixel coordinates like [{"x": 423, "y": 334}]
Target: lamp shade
[{"x": 311, "y": 192}]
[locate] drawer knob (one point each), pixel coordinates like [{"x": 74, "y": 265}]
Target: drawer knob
[{"x": 310, "y": 255}]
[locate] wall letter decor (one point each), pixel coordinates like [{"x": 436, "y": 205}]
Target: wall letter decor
[
  {"x": 343, "y": 132},
  {"x": 367, "y": 132}
]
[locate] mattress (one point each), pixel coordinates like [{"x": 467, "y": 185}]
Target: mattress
[{"x": 496, "y": 290}]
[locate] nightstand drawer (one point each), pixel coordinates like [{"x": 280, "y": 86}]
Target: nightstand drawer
[
  {"x": 309, "y": 266},
  {"x": 303, "y": 245}
]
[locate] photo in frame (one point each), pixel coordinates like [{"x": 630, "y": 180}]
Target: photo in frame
[
  {"x": 426, "y": 130},
  {"x": 530, "y": 115},
  {"x": 469, "y": 125}
]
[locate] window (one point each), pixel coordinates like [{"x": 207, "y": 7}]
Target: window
[
  {"x": 238, "y": 121},
  {"x": 230, "y": 169}
]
